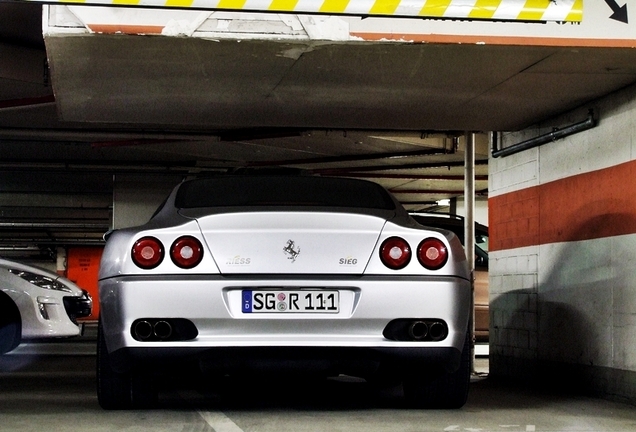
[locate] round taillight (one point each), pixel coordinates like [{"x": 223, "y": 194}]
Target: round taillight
[
  {"x": 395, "y": 253},
  {"x": 186, "y": 252},
  {"x": 147, "y": 253},
  {"x": 432, "y": 253}
]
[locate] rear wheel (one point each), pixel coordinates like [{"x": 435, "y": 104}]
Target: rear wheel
[
  {"x": 448, "y": 391},
  {"x": 10, "y": 324},
  {"x": 117, "y": 390}
]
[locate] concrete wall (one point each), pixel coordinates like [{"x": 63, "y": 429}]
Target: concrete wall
[{"x": 562, "y": 263}]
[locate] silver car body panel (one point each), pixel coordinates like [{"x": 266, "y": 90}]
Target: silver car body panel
[{"x": 214, "y": 305}]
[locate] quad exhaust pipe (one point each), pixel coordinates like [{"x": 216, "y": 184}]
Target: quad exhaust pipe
[
  {"x": 421, "y": 330},
  {"x": 432, "y": 330},
  {"x": 145, "y": 330},
  {"x": 163, "y": 329}
]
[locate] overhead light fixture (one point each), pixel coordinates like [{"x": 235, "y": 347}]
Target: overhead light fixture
[{"x": 443, "y": 202}]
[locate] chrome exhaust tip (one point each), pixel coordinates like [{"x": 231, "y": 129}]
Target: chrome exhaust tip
[
  {"x": 437, "y": 331},
  {"x": 418, "y": 330},
  {"x": 162, "y": 330},
  {"x": 143, "y": 330}
]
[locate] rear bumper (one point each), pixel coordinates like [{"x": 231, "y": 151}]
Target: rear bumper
[{"x": 213, "y": 305}]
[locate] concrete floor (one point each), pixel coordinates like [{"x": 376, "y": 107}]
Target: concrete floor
[{"x": 56, "y": 392}]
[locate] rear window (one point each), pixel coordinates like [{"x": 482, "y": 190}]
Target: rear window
[{"x": 263, "y": 191}]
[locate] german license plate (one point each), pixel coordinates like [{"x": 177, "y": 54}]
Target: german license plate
[{"x": 294, "y": 301}]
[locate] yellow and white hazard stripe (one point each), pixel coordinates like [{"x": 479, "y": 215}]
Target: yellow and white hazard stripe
[{"x": 496, "y": 10}]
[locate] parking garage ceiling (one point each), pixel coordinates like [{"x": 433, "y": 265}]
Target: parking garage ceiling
[{"x": 97, "y": 105}]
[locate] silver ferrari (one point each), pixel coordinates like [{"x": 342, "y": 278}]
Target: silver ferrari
[{"x": 241, "y": 273}]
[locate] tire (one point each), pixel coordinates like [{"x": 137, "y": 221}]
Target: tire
[
  {"x": 10, "y": 325},
  {"x": 448, "y": 391},
  {"x": 119, "y": 391}
]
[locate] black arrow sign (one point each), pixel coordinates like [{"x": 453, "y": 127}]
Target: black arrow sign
[{"x": 620, "y": 12}]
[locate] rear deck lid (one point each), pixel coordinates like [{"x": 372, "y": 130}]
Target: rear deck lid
[{"x": 277, "y": 242}]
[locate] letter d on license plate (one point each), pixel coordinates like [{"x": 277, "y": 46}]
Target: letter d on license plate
[{"x": 296, "y": 301}]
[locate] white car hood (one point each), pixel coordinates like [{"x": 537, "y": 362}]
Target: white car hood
[
  {"x": 291, "y": 243},
  {"x": 6, "y": 264}
]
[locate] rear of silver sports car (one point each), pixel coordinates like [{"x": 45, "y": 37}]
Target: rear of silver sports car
[{"x": 334, "y": 292}]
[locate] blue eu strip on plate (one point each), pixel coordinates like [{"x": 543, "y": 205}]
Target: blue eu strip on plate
[{"x": 247, "y": 301}]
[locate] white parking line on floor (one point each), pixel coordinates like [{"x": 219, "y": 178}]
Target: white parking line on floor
[{"x": 219, "y": 421}]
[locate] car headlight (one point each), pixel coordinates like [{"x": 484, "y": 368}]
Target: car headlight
[{"x": 41, "y": 281}]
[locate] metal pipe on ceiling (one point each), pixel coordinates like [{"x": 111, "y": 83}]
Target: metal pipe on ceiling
[
  {"x": 426, "y": 191},
  {"x": 556, "y": 134},
  {"x": 407, "y": 176},
  {"x": 349, "y": 158},
  {"x": 123, "y": 167},
  {"x": 90, "y": 135},
  {"x": 441, "y": 164},
  {"x": 185, "y": 169}
]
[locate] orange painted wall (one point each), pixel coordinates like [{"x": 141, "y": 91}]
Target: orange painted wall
[
  {"x": 587, "y": 206},
  {"x": 83, "y": 269},
  {"x": 513, "y": 219}
]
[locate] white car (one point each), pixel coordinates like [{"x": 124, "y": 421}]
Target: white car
[
  {"x": 245, "y": 273},
  {"x": 36, "y": 303}
]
